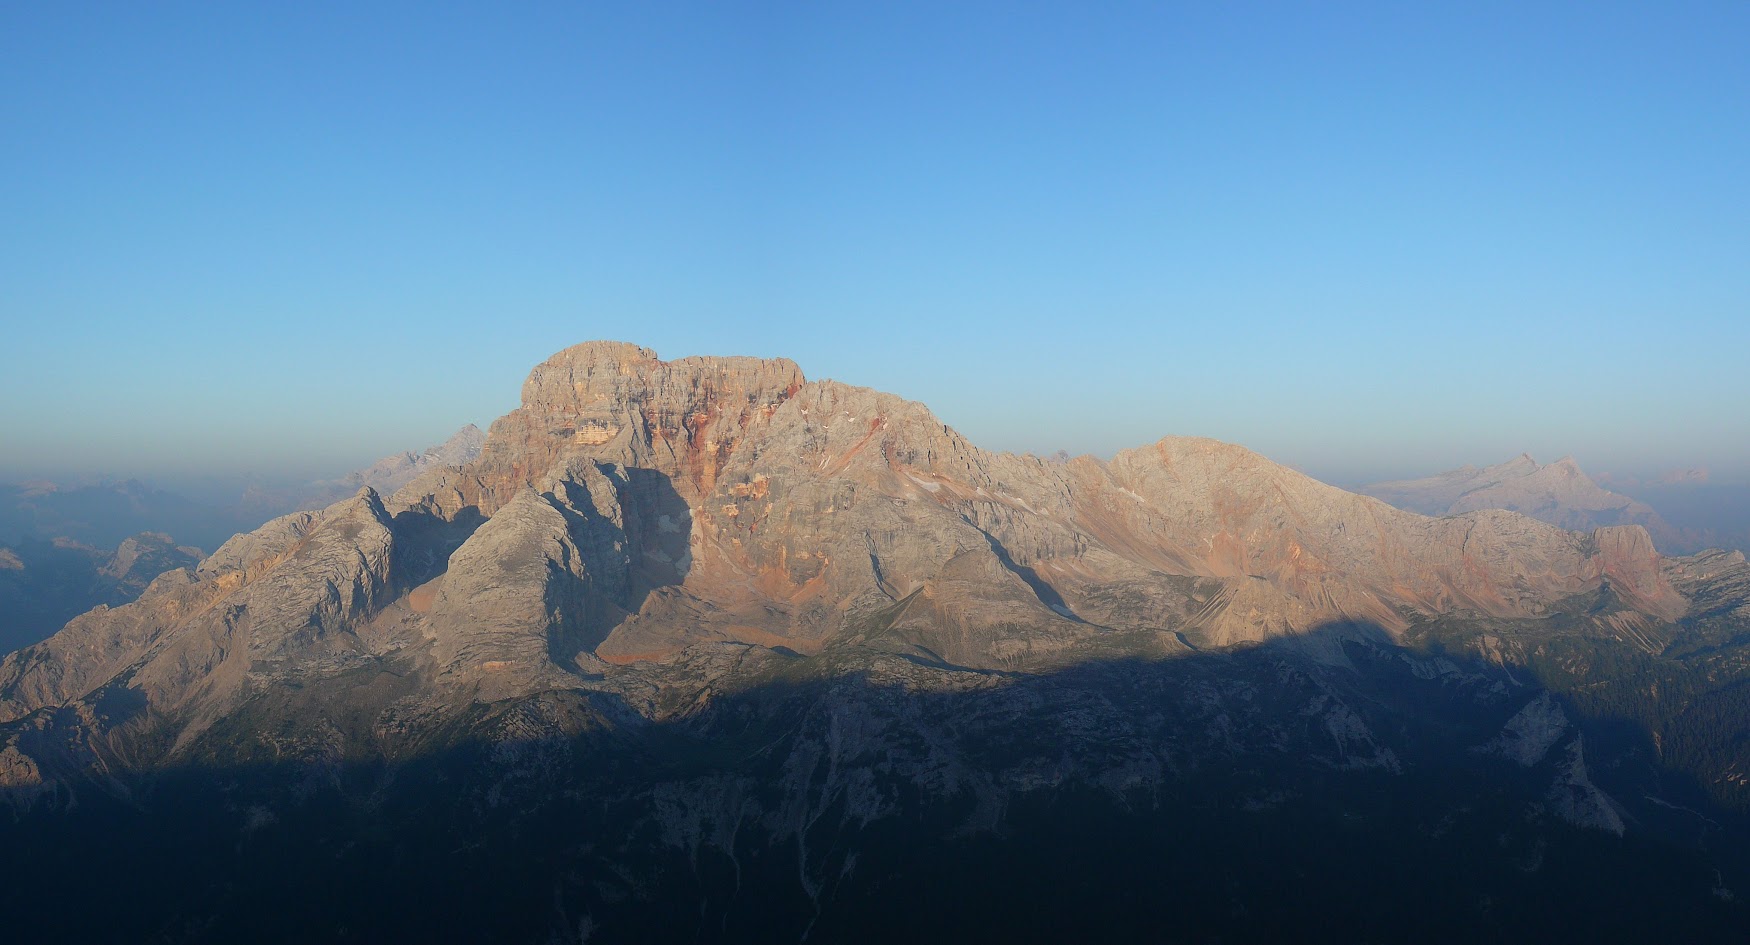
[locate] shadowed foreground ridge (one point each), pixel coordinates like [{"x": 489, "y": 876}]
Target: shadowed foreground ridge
[{"x": 704, "y": 650}]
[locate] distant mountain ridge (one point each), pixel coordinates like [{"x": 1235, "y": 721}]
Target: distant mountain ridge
[
  {"x": 104, "y": 514},
  {"x": 67, "y": 548},
  {"x": 1559, "y": 493},
  {"x": 43, "y": 584},
  {"x": 392, "y": 472},
  {"x": 384, "y": 476}
]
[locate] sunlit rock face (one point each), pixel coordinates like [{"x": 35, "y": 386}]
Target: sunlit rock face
[{"x": 632, "y": 508}]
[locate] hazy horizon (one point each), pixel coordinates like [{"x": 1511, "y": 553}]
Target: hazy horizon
[
  {"x": 227, "y": 474},
  {"x": 232, "y": 463},
  {"x": 1368, "y": 242}
]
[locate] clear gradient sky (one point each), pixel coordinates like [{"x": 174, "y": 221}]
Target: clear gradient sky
[{"x": 1366, "y": 239}]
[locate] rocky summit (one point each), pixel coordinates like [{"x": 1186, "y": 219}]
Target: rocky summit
[{"x": 701, "y": 649}]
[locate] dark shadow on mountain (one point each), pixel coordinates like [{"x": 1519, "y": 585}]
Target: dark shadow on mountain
[
  {"x": 630, "y": 555},
  {"x": 424, "y": 542},
  {"x": 1333, "y": 788},
  {"x": 660, "y": 524},
  {"x": 1047, "y": 594}
]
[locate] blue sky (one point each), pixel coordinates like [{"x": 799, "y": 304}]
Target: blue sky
[{"x": 1365, "y": 239}]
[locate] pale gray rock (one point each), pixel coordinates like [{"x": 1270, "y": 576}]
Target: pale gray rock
[
  {"x": 260, "y": 546},
  {"x": 533, "y": 590},
  {"x": 711, "y": 604},
  {"x": 1530, "y": 734}
]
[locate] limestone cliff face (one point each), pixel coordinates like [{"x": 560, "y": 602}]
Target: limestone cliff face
[
  {"x": 815, "y": 510},
  {"x": 1626, "y": 562},
  {"x": 632, "y": 510},
  {"x": 617, "y": 403}
]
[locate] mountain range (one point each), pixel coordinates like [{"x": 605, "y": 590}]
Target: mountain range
[
  {"x": 702, "y": 649},
  {"x": 1563, "y": 495},
  {"x": 384, "y": 476},
  {"x": 62, "y": 549},
  {"x": 104, "y": 514},
  {"x": 1559, "y": 493}
]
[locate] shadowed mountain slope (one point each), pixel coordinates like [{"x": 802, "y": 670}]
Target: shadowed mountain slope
[{"x": 1252, "y": 795}]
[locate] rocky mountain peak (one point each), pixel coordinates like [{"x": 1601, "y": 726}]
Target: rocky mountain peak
[
  {"x": 604, "y": 380},
  {"x": 592, "y": 366},
  {"x": 462, "y": 446},
  {"x": 633, "y": 510},
  {"x": 620, "y": 403},
  {"x": 1568, "y": 468}
]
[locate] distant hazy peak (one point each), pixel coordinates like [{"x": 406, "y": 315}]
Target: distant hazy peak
[
  {"x": 1559, "y": 493},
  {"x": 461, "y": 447},
  {"x": 392, "y": 472}
]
